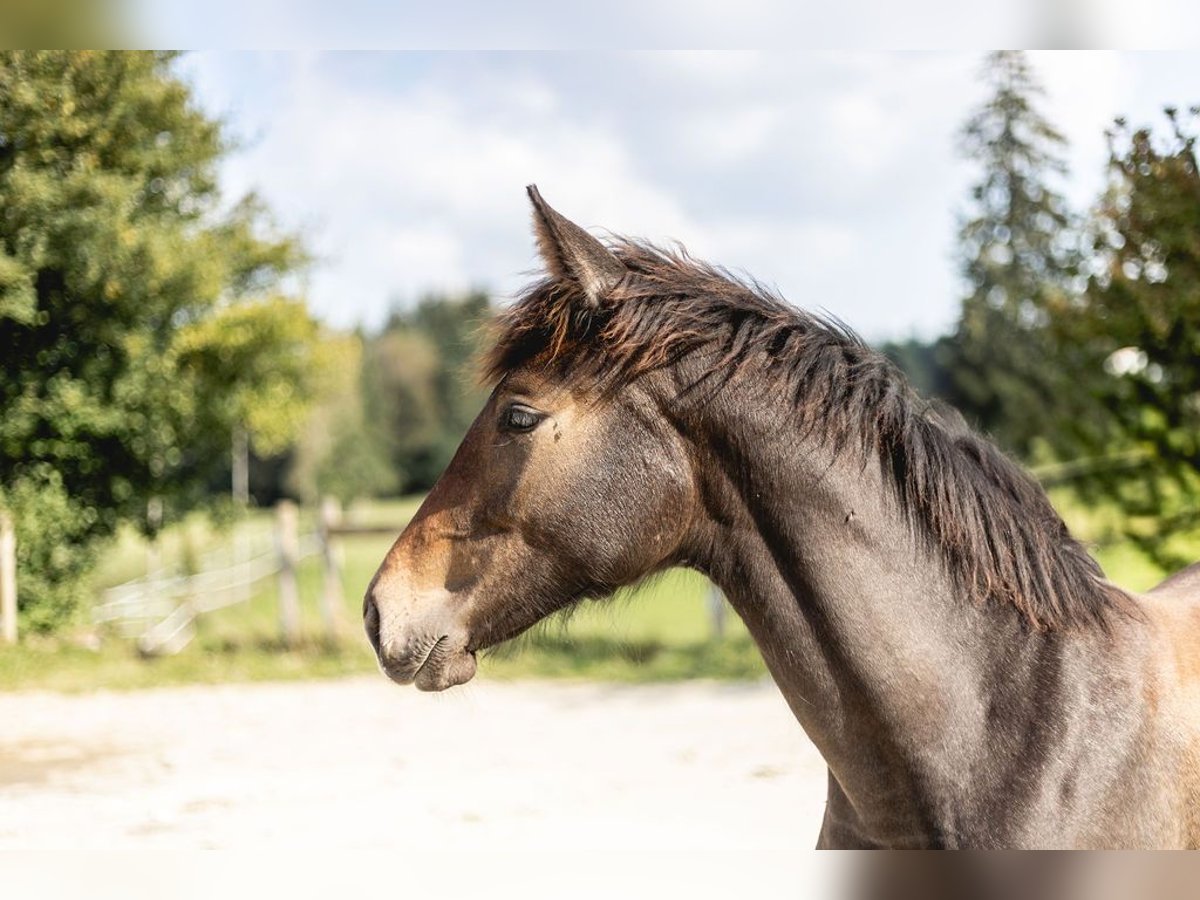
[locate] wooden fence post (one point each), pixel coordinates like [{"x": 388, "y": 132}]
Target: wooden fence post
[
  {"x": 288, "y": 543},
  {"x": 8, "y": 577},
  {"x": 332, "y": 600}
]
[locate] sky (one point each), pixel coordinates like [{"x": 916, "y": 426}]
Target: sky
[{"x": 833, "y": 177}]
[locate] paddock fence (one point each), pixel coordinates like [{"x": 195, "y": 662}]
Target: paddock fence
[{"x": 159, "y": 610}]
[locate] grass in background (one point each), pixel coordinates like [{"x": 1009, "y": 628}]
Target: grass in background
[{"x": 657, "y": 632}]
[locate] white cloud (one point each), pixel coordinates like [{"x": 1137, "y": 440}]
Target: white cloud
[
  {"x": 724, "y": 138},
  {"x": 423, "y": 189}
]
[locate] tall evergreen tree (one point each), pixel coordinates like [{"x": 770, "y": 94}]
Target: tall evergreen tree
[{"x": 1019, "y": 253}]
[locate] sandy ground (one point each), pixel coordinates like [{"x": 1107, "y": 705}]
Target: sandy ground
[{"x": 362, "y": 764}]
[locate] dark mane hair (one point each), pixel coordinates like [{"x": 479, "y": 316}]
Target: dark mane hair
[{"x": 991, "y": 523}]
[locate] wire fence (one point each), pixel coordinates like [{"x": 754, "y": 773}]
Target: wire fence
[{"x": 159, "y": 609}]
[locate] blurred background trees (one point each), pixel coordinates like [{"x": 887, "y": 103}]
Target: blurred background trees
[
  {"x": 400, "y": 402},
  {"x": 1135, "y": 334},
  {"x": 419, "y": 390}
]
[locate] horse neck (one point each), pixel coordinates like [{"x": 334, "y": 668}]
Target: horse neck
[{"x": 900, "y": 683}]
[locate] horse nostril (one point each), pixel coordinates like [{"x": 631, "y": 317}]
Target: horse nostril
[{"x": 371, "y": 621}]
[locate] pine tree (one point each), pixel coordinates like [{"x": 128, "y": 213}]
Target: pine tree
[{"x": 1019, "y": 253}]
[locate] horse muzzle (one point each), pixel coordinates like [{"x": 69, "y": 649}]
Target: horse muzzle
[{"x": 428, "y": 651}]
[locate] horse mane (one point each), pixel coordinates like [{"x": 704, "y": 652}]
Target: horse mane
[{"x": 1000, "y": 538}]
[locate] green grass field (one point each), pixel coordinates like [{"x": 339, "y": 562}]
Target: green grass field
[{"x": 659, "y": 631}]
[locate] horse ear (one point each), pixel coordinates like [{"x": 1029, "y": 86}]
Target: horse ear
[{"x": 571, "y": 254}]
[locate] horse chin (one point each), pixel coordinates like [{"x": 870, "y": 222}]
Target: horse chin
[
  {"x": 436, "y": 665},
  {"x": 445, "y": 671}
]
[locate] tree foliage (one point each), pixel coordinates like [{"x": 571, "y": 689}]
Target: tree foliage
[
  {"x": 338, "y": 453},
  {"x": 420, "y": 394},
  {"x": 140, "y": 321},
  {"x": 1138, "y": 326},
  {"x": 259, "y": 365}
]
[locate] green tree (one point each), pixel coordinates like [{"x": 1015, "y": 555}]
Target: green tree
[
  {"x": 1137, "y": 327},
  {"x": 338, "y": 454},
  {"x": 420, "y": 393},
  {"x": 924, "y": 364},
  {"x": 1019, "y": 253},
  {"x": 453, "y": 326},
  {"x": 140, "y": 321},
  {"x": 258, "y": 366}
]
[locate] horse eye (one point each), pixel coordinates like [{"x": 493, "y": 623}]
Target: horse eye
[{"x": 520, "y": 418}]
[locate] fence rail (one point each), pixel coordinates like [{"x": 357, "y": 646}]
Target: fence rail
[
  {"x": 1055, "y": 474},
  {"x": 160, "y": 609}
]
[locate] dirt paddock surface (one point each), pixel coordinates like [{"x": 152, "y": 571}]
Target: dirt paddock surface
[{"x": 362, "y": 764}]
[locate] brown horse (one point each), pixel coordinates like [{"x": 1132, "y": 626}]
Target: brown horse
[{"x": 959, "y": 660}]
